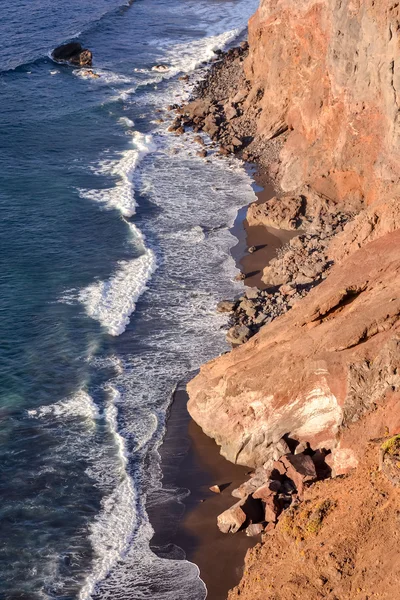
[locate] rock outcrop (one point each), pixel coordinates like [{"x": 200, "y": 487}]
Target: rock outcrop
[
  {"x": 312, "y": 371},
  {"x": 74, "y": 54},
  {"x": 340, "y": 542}
]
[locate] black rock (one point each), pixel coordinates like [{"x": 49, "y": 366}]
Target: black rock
[{"x": 74, "y": 53}]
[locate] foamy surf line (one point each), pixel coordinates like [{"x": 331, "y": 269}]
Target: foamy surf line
[
  {"x": 111, "y": 302},
  {"x": 79, "y": 405},
  {"x": 112, "y": 529},
  {"x": 189, "y": 57},
  {"x": 122, "y": 195}
]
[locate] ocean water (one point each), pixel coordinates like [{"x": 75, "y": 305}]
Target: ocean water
[{"x": 114, "y": 251}]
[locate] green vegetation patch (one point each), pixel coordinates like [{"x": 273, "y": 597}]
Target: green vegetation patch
[
  {"x": 392, "y": 445},
  {"x": 305, "y": 520}
]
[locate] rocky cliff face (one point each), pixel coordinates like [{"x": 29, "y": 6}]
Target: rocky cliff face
[
  {"x": 322, "y": 77},
  {"x": 312, "y": 371},
  {"x": 329, "y": 70},
  {"x": 314, "y": 99}
]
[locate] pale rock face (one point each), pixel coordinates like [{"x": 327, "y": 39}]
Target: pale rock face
[
  {"x": 343, "y": 460},
  {"x": 321, "y": 366}
]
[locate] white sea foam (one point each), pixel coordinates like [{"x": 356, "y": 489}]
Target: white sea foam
[
  {"x": 185, "y": 304},
  {"x": 111, "y": 302},
  {"x": 112, "y": 529},
  {"x": 79, "y": 404},
  {"x": 105, "y": 77},
  {"x": 188, "y": 57},
  {"x": 122, "y": 195},
  {"x": 126, "y": 122}
]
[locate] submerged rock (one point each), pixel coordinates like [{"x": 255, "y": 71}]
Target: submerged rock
[{"x": 160, "y": 68}]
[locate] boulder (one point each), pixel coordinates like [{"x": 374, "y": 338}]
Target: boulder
[
  {"x": 300, "y": 469},
  {"x": 254, "y": 529},
  {"x": 268, "y": 490},
  {"x": 238, "y": 334},
  {"x": 257, "y": 479},
  {"x": 272, "y": 509},
  {"x": 237, "y": 142},
  {"x": 210, "y": 126},
  {"x": 232, "y": 519},
  {"x": 74, "y": 54},
  {"x": 226, "y": 306},
  {"x": 283, "y": 213},
  {"x": 230, "y": 112}
]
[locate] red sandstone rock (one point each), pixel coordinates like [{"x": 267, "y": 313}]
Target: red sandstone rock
[
  {"x": 272, "y": 509},
  {"x": 254, "y": 529},
  {"x": 311, "y": 67},
  {"x": 300, "y": 469},
  {"x": 308, "y": 383},
  {"x": 267, "y": 490},
  {"x": 282, "y": 213}
]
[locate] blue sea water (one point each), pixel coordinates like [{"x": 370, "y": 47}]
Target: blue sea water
[{"x": 114, "y": 249}]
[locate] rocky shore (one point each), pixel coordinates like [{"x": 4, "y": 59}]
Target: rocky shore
[{"x": 309, "y": 395}]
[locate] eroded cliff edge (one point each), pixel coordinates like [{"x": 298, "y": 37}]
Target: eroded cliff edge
[{"x": 315, "y": 102}]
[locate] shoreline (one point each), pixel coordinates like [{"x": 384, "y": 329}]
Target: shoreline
[
  {"x": 296, "y": 456},
  {"x": 190, "y": 460},
  {"x": 266, "y": 240},
  {"x": 195, "y": 531}
]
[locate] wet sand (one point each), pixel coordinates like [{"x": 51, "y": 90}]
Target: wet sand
[
  {"x": 266, "y": 240},
  {"x": 191, "y": 460}
]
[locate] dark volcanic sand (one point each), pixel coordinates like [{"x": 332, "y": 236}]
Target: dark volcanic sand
[
  {"x": 266, "y": 240},
  {"x": 191, "y": 460}
]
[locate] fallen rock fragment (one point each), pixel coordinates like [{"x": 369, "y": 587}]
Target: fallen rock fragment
[
  {"x": 215, "y": 488},
  {"x": 238, "y": 334},
  {"x": 232, "y": 519},
  {"x": 254, "y": 529},
  {"x": 268, "y": 490},
  {"x": 226, "y": 306},
  {"x": 300, "y": 469}
]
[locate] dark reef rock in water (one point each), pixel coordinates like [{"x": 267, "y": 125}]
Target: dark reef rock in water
[{"x": 74, "y": 54}]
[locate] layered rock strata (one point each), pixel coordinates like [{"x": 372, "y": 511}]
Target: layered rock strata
[{"x": 313, "y": 370}]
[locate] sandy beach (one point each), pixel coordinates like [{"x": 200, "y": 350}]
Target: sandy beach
[
  {"x": 265, "y": 240},
  {"x": 191, "y": 460}
]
